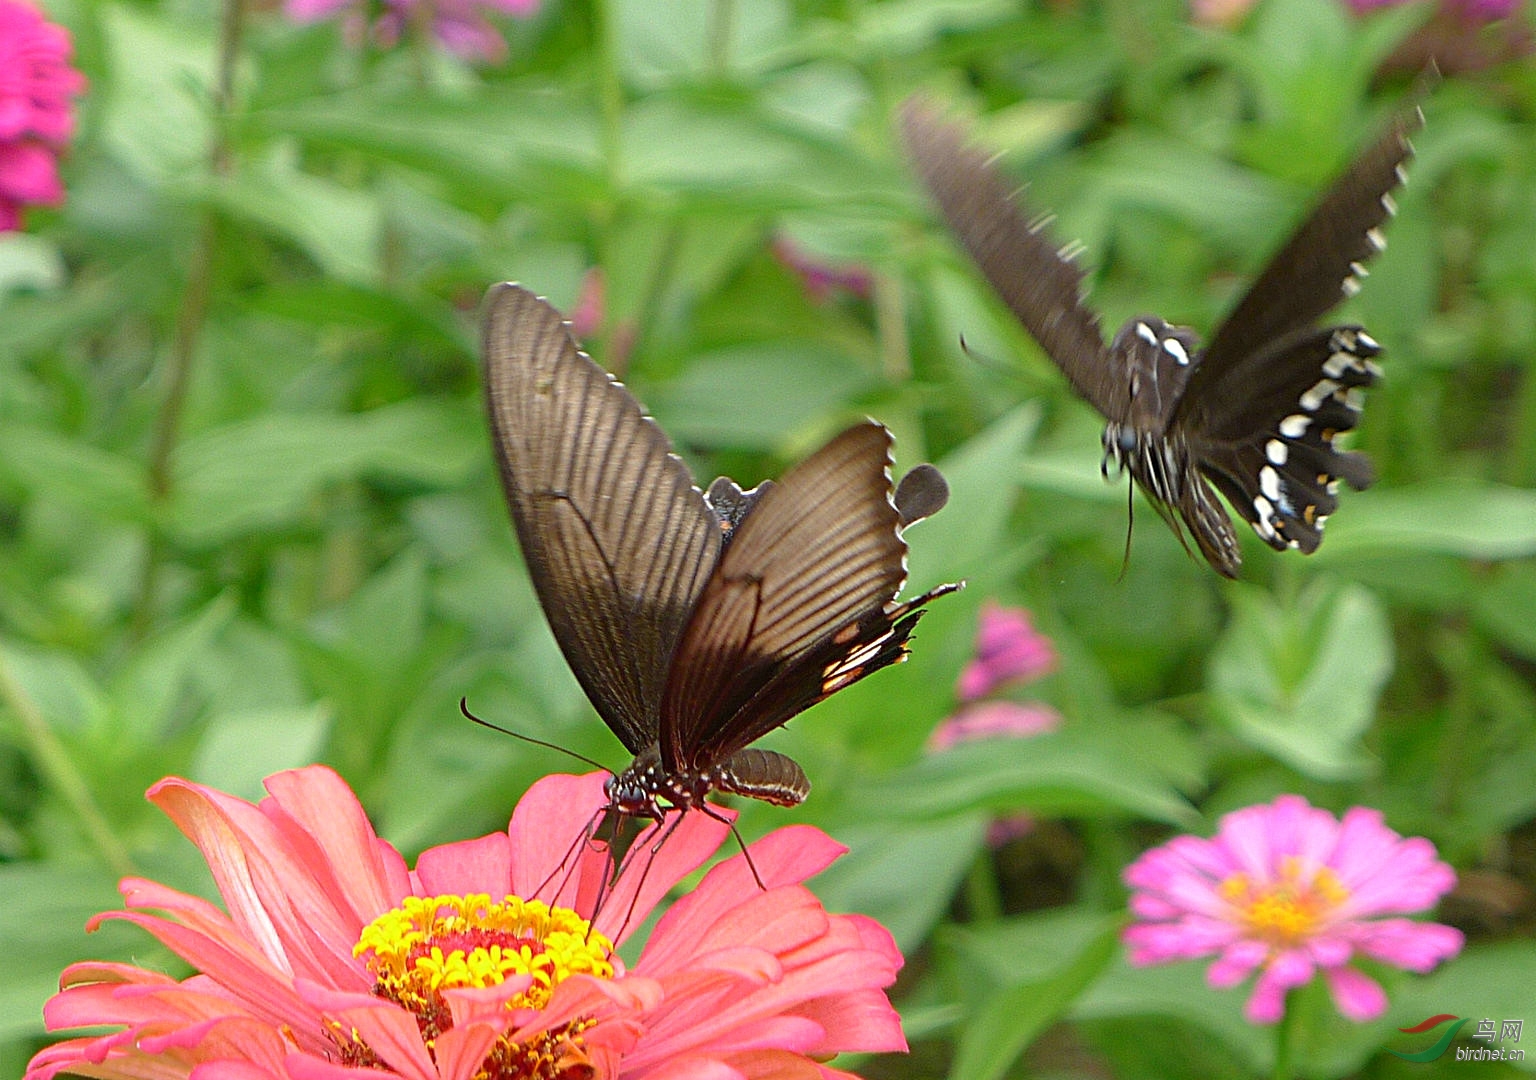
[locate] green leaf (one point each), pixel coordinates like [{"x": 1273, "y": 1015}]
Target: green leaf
[
  {"x": 259, "y": 474},
  {"x": 1009, "y": 1020},
  {"x": 239, "y": 749},
  {"x": 29, "y": 263},
  {"x": 756, "y": 395},
  {"x": 1302, "y": 681},
  {"x": 48, "y": 465},
  {"x": 147, "y": 688},
  {"x": 1472, "y": 519},
  {"x": 337, "y": 227},
  {"x": 42, "y": 923},
  {"x": 902, "y": 877},
  {"x": 1068, "y": 773},
  {"x": 158, "y": 104}
]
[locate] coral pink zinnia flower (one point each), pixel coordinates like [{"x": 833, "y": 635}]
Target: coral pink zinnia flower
[
  {"x": 1008, "y": 650},
  {"x": 1285, "y": 889},
  {"x": 36, "y": 117},
  {"x": 333, "y": 956}
]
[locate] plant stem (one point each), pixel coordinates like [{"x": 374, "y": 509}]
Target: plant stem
[
  {"x": 192, "y": 315},
  {"x": 1285, "y": 1049},
  {"x": 54, "y": 761}
]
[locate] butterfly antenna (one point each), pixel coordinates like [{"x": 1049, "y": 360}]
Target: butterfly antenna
[
  {"x": 464, "y": 708},
  {"x": 745, "y": 854}
]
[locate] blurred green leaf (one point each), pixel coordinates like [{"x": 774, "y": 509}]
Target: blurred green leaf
[
  {"x": 338, "y": 228},
  {"x": 1468, "y": 518},
  {"x": 43, "y": 924},
  {"x": 1012, "y": 1017},
  {"x": 793, "y": 385},
  {"x": 146, "y": 689},
  {"x": 259, "y": 474},
  {"x": 903, "y": 878},
  {"x": 1063, "y": 774},
  {"x": 239, "y": 749},
  {"x": 48, "y": 465},
  {"x": 161, "y": 80},
  {"x": 1301, "y": 681}
]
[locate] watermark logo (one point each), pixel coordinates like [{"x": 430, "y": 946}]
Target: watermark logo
[{"x": 1487, "y": 1030}]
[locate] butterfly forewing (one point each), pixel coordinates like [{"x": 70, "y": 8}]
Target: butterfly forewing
[
  {"x": 1319, "y": 266},
  {"x": 1041, "y": 287},
  {"x": 820, "y": 549},
  {"x": 618, "y": 541}
]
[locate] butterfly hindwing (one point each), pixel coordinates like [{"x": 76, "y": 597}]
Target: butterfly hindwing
[
  {"x": 1282, "y": 474},
  {"x": 820, "y": 550},
  {"x": 618, "y": 541}
]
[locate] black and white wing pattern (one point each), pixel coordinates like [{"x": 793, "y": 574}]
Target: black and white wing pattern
[{"x": 1256, "y": 412}]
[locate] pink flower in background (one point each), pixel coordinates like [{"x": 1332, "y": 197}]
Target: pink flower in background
[
  {"x": 1227, "y": 13},
  {"x": 1008, "y": 650},
  {"x": 1286, "y": 890},
  {"x": 334, "y": 957},
  {"x": 36, "y": 115},
  {"x": 995, "y": 720},
  {"x": 998, "y": 720},
  {"x": 821, "y": 279},
  {"x": 591, "y": 306},
  {"x": 460, "y": 25}
]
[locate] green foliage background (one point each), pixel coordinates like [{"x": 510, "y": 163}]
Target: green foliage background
[{"x": 248, "y": 518}]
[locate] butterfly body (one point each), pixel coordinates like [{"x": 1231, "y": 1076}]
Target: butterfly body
[
  {"x": 696, "y": 622},
  {"x": 1254, "y": 414}
]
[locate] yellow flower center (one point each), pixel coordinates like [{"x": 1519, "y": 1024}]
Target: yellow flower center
[
  {"x": 1289, "y": 909},
  {"x": 434, "y": 943}
]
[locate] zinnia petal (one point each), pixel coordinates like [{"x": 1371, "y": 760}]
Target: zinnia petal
[
  {"x": 739, "y": 978},
  {"x": 1286, "y": 889}
]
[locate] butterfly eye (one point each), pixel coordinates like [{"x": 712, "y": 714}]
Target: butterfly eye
[{"x": 1125, "y": 442}]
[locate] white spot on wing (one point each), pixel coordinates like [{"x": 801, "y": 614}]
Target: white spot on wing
[
  {"x": 1174, "y": 348},
  {"x": 1334, "y": 366},
  {"x": 1312, "y": 400},
  {"x": 1276, "y": 451},
  {"x": 1375, "y": 238},
  {"x": 1144, "y": 332},
  {"x": 1294, "y": 426},
  {"x": 1389, "y": 204},
  {"x": 1269, "y": 483},
  {"x": 1362, "y": 338},
  {"x": 1265, "y": 526},
  {"x": 1351, "y": 287}
]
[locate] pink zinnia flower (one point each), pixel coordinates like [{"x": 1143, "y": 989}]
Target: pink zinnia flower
[
  {"x": 460, "y": 25},
  {"x": 334, "y": 956},
  {"x": 1008, "y": 650},
  {"x": 36, "y": 115},
  {"x": 1285, "y": 890}
]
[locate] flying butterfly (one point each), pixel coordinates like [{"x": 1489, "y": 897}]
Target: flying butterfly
[
  {"x": 696, "y": 622},
  {"x": 1255, "y": 412}
]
